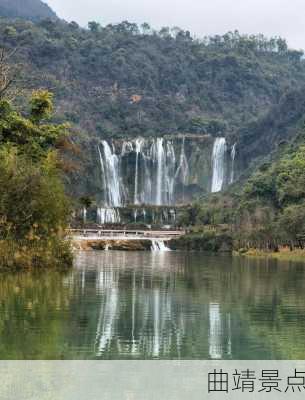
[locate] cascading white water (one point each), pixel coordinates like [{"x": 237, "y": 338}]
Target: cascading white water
[
  {"x": 127, "y": 147},
  {"x": 105, "y": 189},
  {"x": 135, "y": 215},
  {"x": 159, "y": 157},
  {"x": 139, "y": 143},
  {"x": 170, "y": 174},
  {"x": 183, "y": 168},
  {"x": 158, "y": 245},
  {"x": 84, "y": 215},
  {"x": 172, "y": 216},
  {"x": 163, "y": 157},
  {"x": 111, "y": 167},
  {"x": 158, "y": 172},
  {"x": 233, "y": 156},
  {"x": 108, "y": 216},
  {"x": 218, "y": 161}
]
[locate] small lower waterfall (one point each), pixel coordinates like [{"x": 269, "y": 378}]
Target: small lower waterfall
[
  {"x": 233, "y": 156},
  {"x": 218, "y": 161},
  {"x": 108, "y": 216},
  {"x": 158, "y": 245},
  {"x": 135, "y": 215},
  {"x": 84, "y": 215}
]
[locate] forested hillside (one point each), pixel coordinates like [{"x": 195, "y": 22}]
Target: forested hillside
[
  {"x": 34, "y": 10},
  {"x": 278, "y": 126},
  {"x": 127, "y": 80},
  {"x": 269, "y": 209}
]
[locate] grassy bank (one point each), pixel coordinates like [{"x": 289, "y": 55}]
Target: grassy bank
[
  {"x": 283, "y": 254},
  {"x": 22, "y": 255}
]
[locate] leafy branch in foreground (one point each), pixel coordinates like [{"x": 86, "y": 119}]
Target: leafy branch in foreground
[{"x": 34, "y": 209}]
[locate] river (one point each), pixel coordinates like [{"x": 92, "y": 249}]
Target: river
[{"x": 155, "y": 305}]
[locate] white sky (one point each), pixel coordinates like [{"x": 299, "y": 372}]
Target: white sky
[{"x": 202, "y": 17}]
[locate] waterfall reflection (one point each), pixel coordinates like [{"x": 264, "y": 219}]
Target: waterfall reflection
[
  {"x": 218, "y": 323},
  {"x": 145, "y": 310}
]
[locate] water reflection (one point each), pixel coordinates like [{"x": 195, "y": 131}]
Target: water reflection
[
  {"x": 146, "y": 308},
  {"x": 117, "y": 305},
  {"x": 219, "y": 324}
]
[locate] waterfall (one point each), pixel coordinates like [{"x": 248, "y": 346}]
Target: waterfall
[
  {"x": 173, "y": 216},
  {"x": 108, "y": 216},
  {"x": 183, "y": 168},
  {"x": 135, "y": 215},
  {"x": 233, "y": 155},
  {"x": 139, "y": 143},
  {"x": 157, "y": 172},
  {"x": 170, "y": 173},
  {"x": 158, "y": 245},
  {"x": 103, "y": 173},
  {"x": 218, "y": 161},
  {"x": 127, "y": 147},
  {"x": 159, "y": 151},
  {"x": 84, "y": 215},
  {"x": 164, "y": 159},
  {"x": 147, "y": 191},
  {"x": 111, "y": 167}
]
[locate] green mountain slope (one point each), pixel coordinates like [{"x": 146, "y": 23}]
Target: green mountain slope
[
  {"x": 34, "y": 10},
  {"x": 123, "y": 80},
  {"x": 279, "y": 125}
]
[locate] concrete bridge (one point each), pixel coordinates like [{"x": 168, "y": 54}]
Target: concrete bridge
[{"x": 123, "y": 234}]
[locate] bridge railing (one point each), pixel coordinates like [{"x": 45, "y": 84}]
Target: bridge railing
[{"x": 87, "y": 233}]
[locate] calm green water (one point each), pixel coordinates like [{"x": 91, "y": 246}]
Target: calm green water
[{"x": 117, "y": 305}]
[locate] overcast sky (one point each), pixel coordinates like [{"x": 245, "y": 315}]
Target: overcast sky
[{"x": 202, "y": 17}]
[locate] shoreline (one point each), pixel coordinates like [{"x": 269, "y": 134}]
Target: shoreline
[{"x": 282, "y": 254}]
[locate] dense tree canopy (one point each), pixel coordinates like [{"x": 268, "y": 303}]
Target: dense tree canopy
[{"x": 129, "y": 80}]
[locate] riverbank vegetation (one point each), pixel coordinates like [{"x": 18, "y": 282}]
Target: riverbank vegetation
[
  {"x": 282, "y": 253},
  {"x": 34, "y": 209},
  {"x": 209, "y": 241}
]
